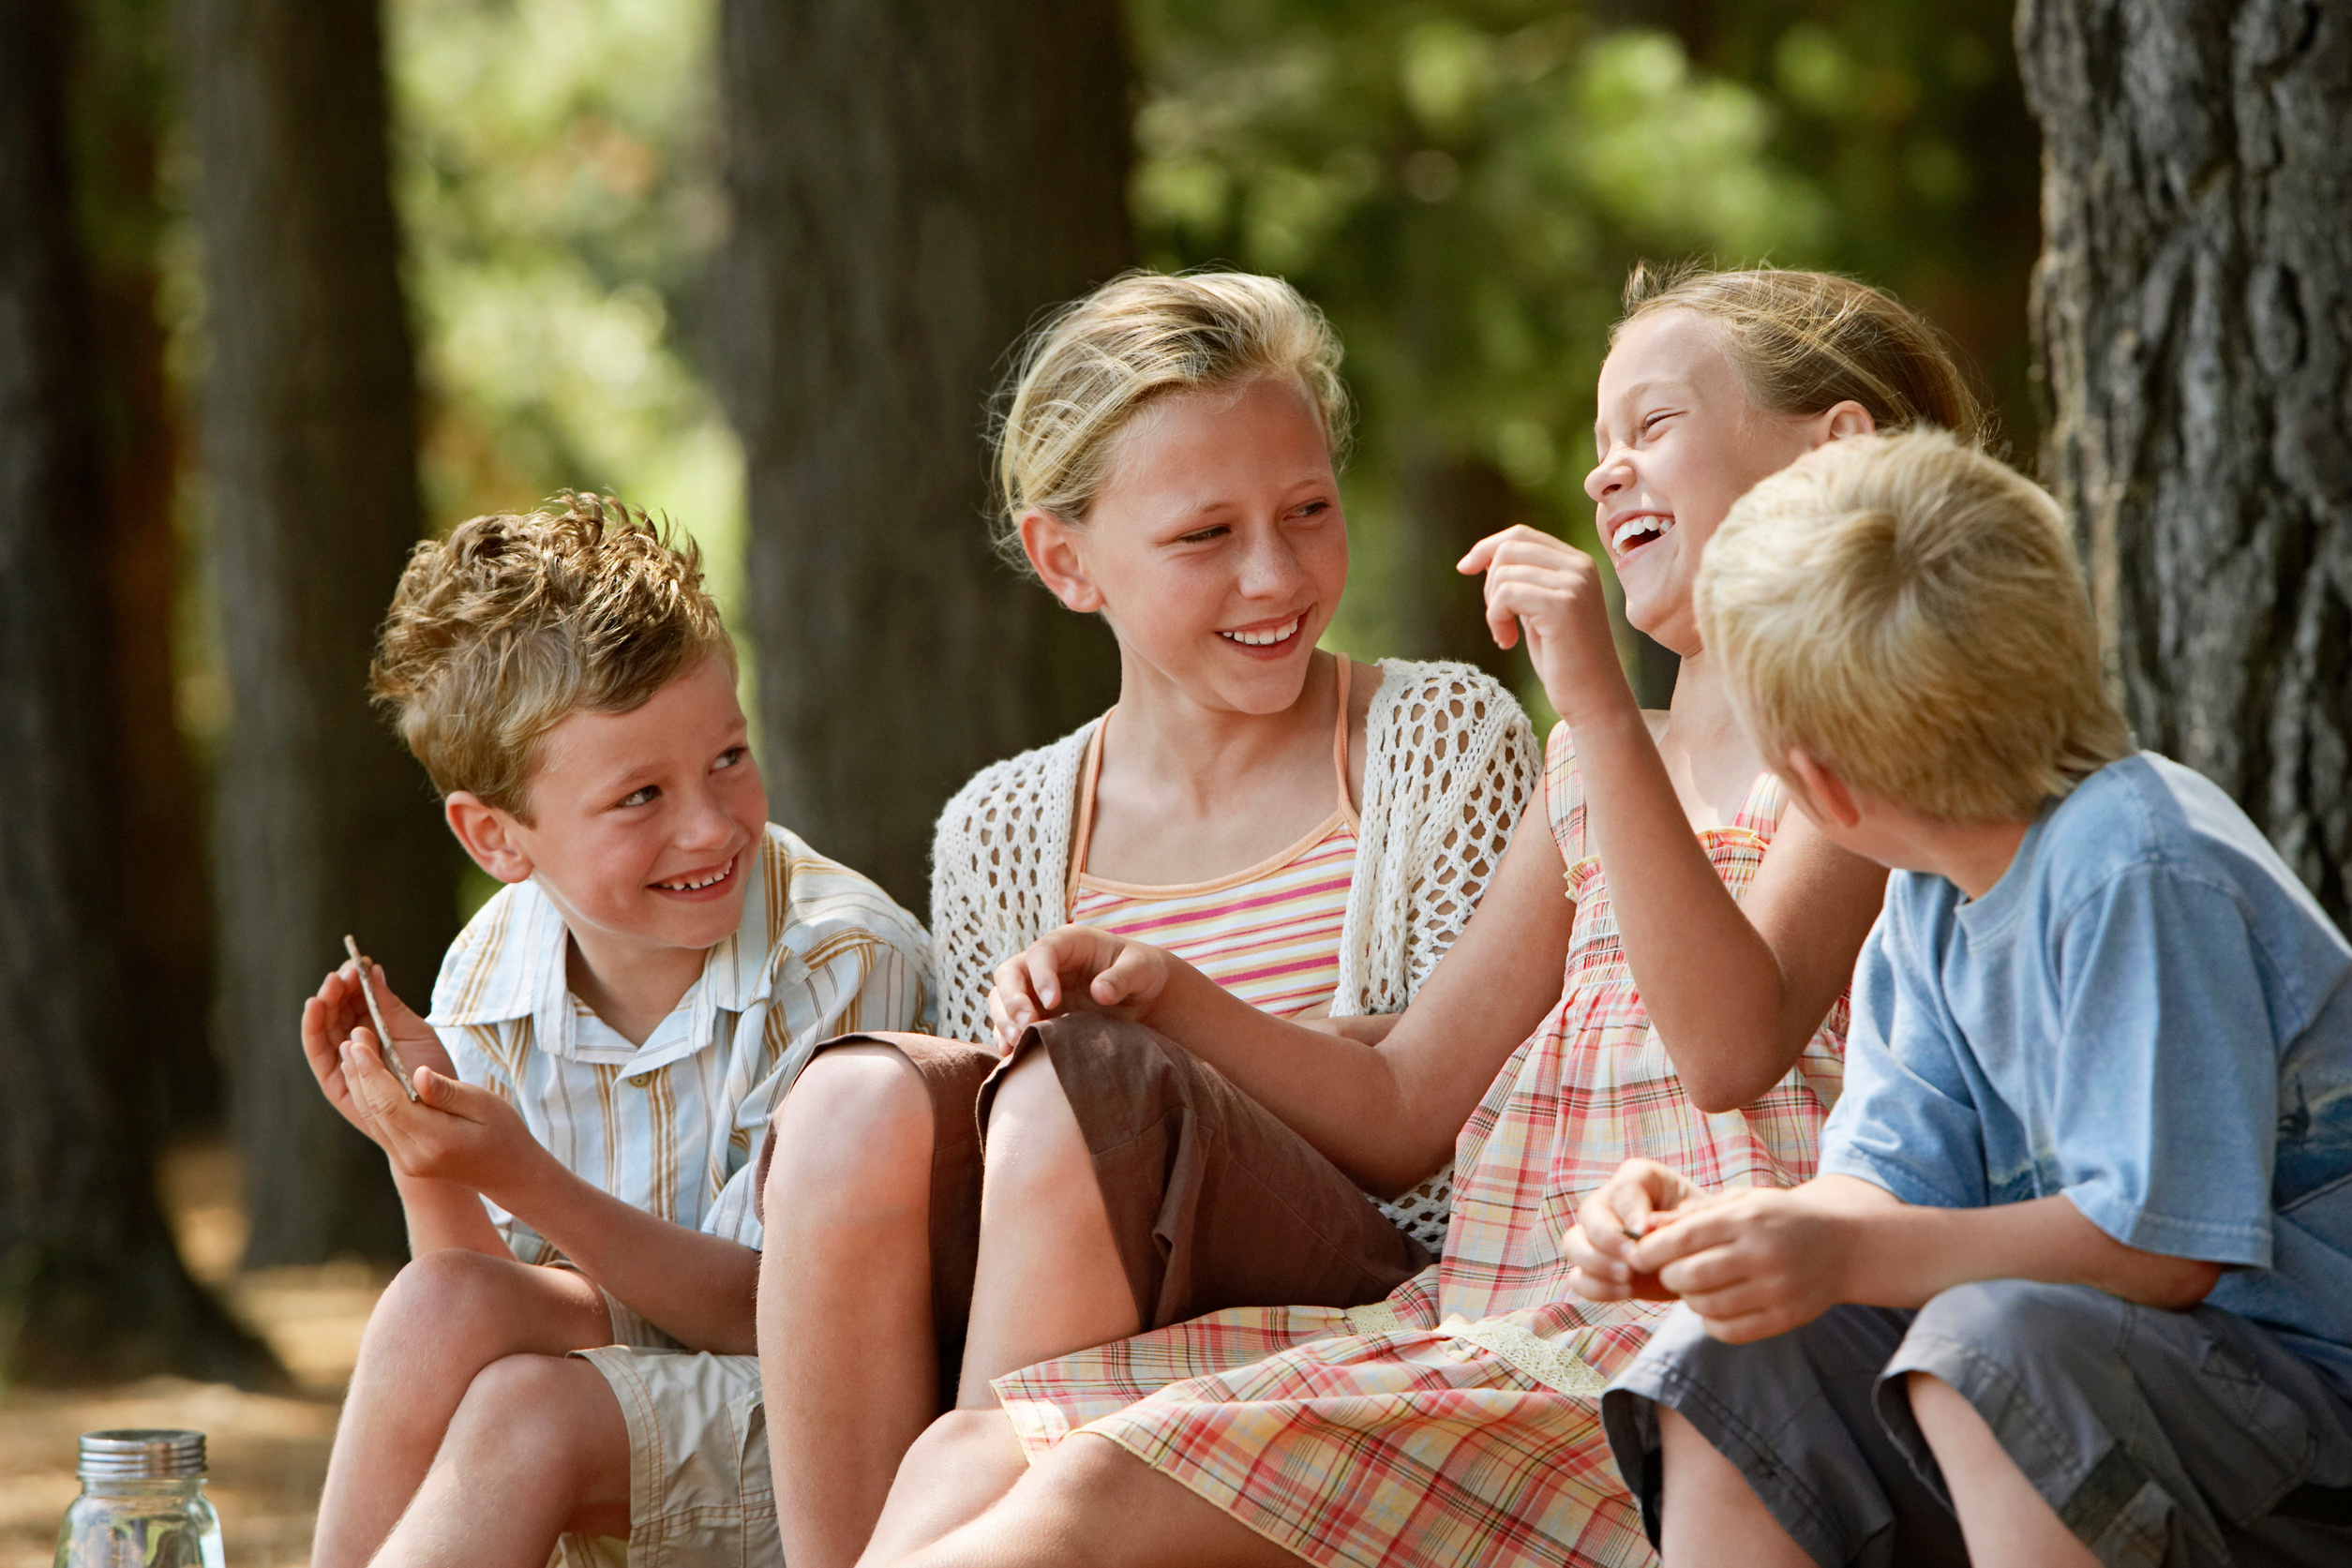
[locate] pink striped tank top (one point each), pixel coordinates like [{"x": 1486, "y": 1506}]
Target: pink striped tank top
[{"x": 1270, "y": 934}]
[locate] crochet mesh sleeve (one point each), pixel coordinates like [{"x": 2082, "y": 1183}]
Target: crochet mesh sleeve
[
  {"x": 998, "y": 859},
  {"x": 1457, "y": 762},
  {"x": 1476, "y": 763}
]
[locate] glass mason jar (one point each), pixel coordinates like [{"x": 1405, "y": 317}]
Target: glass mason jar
[{"x": 143, "y": 1505}]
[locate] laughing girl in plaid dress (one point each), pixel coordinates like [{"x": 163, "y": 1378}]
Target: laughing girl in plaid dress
[{"x": 1705, "y": 942}]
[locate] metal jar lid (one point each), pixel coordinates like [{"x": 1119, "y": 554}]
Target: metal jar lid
[{"x": 140, "y": 1454}]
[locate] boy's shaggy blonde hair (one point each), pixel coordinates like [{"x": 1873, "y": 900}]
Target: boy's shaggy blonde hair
[
  {"x": 1092, "y": 365},
  {"x": 513, "y": 622},
  {"x": 1909, "y": 612}
]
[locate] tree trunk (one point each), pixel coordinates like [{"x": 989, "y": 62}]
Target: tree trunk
[
  {"x": 166, "y": 931},
  {"x": 322, "y": 824},
  {"x": 1451, "y": 502},
  {"x": 91, "y": 1287},
  {"x": 911, "y": 183},
  {"x": 2193, "y": 316}
]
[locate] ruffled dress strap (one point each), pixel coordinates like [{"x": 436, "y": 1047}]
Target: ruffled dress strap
[{"x": 1564, "y": 795}]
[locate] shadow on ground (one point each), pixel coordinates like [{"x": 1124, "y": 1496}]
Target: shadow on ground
[{"x": 268, "y": 1452}]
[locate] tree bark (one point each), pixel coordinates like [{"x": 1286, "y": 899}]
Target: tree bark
[
  {"x": 91, "y": 1285},
  {"x": 911, "y": 184},
  {"x": 2192, "y": 310},
  {"x": 322, "y": 824},
  {"x": 165, "y": 913}
]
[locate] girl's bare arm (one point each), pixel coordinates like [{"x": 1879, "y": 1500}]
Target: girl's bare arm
[{"x": 1736, "y": 987}]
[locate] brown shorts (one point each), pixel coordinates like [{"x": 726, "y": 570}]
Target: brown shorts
[{"x": 1214, "y": 1201}]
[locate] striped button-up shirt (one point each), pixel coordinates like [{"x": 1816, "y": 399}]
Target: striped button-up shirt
[{"x": 673, "y": 1125}]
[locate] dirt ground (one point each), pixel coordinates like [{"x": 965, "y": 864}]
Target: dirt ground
[{"x": 268, "y": 1454}]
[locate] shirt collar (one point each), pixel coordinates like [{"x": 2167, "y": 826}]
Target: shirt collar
[{"x": 522, "y": 973}]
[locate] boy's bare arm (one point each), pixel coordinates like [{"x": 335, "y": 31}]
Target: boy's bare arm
[
  {"x": 1759, "y": 1263},
  {"x": 696, "y": 1288}
]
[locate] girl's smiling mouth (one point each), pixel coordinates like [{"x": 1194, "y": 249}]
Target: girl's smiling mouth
[
  {"x": 709, "y": 880},
  {"x": 1629, "y": 532},
  {"x": 1267, "y": 637}
]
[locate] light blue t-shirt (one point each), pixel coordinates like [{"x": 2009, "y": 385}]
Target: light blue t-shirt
[{"x": 2149, "y": 1014}]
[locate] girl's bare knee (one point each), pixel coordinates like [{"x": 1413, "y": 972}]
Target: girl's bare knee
[
  {"x": 1034, "y": 1139},
  {"x": 853, "y": 1134}
]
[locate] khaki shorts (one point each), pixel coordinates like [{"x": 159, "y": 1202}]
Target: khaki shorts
[{"x": 700, "y": 1488}]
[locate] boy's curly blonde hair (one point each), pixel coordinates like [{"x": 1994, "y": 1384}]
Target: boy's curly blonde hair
[
  {"x": 1909, "y": 613},
  {"x": 515, "y": 621}
]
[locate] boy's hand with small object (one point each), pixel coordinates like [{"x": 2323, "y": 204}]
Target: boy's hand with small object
[
  {"x": 1615, "y": 1216},
  {"x": 454, "y": 1132},
  {"x": 1753, "y": 1262},
  {"x": 339, "y": 1013}
]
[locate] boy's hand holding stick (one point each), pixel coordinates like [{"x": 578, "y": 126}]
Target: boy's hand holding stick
[
  {"x": 455, "y": 1131},
  {"x": 355, "y": 997},
  {"x": 375, "y": 1015}
]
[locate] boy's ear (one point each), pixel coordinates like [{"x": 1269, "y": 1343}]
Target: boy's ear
[
  {"x": 488, "y": 834},
  {"x": 1824, "y": 793},
  {"x": 1045, "y": 540}
]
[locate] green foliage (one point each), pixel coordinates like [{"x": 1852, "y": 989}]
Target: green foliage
[
  {"x": 1464, "y": 183},
  {"x": 556, "y": 180}
]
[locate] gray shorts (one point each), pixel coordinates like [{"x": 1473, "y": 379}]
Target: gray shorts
[{"x": 2182, "y": 1438}]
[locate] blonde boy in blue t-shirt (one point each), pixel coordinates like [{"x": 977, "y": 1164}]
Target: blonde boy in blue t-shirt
[
  {"x": 569, "y": 1357},
  {"x": 2074, "y": 1274}
]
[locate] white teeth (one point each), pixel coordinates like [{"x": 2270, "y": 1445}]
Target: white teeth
[
  {"x": 1635, "y": 527},
  {"x": 1266, "y": 638},
  {"x": 718, "y": 875}
]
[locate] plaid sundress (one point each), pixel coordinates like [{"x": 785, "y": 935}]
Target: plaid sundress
[{"x": 1458, "y": 1421}]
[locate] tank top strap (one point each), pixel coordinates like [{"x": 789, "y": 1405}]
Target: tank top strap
[{"x": 1082, "y": 837}]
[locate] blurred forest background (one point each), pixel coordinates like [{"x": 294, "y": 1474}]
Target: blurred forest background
[{"x": 307, "y": 280}]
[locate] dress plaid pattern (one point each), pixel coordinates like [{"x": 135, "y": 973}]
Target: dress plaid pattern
[{"x": 1458, "y": 1421}]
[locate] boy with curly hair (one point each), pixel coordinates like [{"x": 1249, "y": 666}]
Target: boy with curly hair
[
  {"x": 568, "y": 1358},
  {"x": 2072, "y": 1284}
]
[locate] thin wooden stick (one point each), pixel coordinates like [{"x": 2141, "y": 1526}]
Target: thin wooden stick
[{"x": 383, "y": 1036}]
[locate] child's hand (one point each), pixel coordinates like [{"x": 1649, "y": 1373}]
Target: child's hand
[
  {"x": 1642, "y": 1195},
  {"x": 1076, "y": 967},
  {"x": 1752, "y": 1263},
  {"x": 453, "y": 1132},
  {"x": 1554, "y": 591},
  {"x": 339, "y": 1013}
]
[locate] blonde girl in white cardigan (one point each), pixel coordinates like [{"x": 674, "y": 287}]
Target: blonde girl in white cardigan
[{"x": 1320, "y": 833}]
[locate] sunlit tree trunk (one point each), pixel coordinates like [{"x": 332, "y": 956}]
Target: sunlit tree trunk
[
  {"x": 2193, "y": 310},
  {"x": 322, "y": 823},
  {"x": 911, "y": 184},
  {"x": 91, "y": 1287}
]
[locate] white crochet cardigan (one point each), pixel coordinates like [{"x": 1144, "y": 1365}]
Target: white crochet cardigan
[{"x": 1450, "y": 762}]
